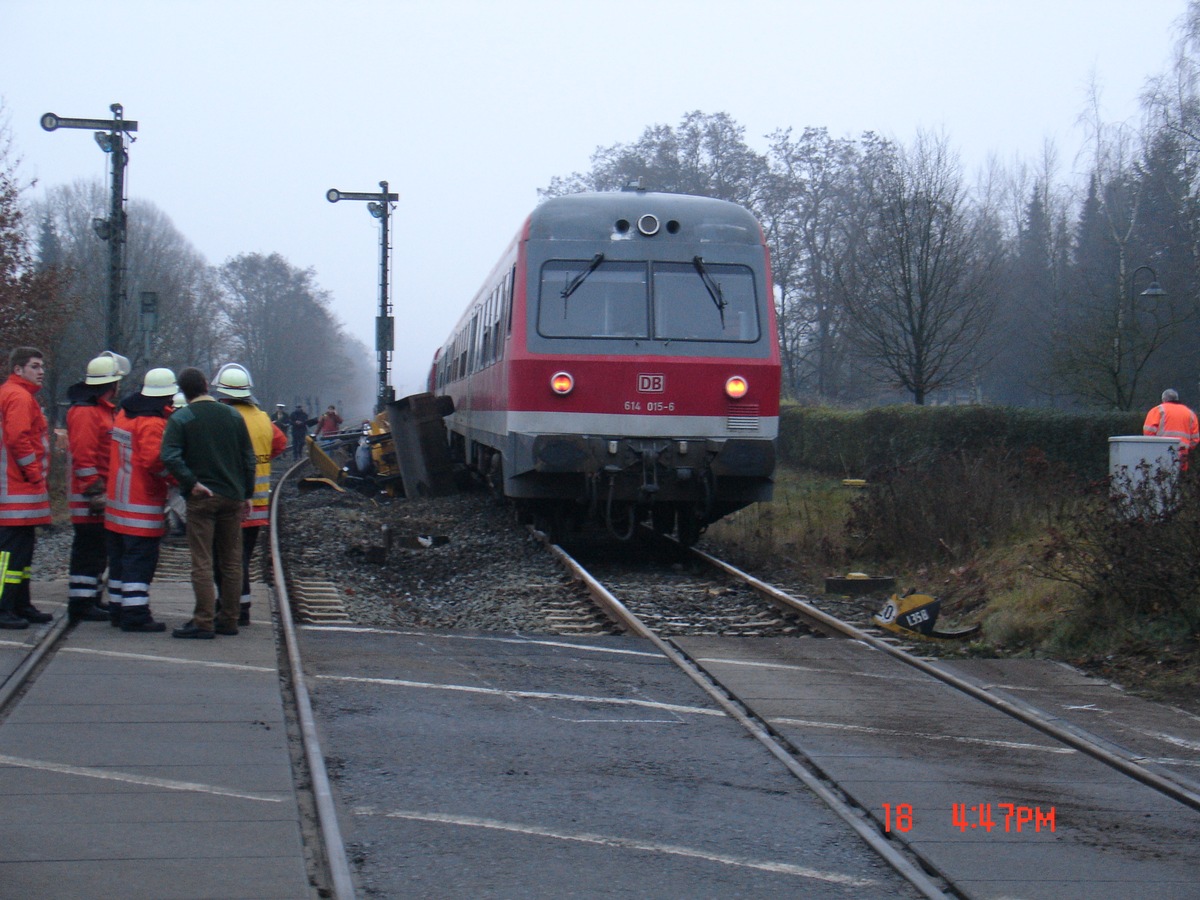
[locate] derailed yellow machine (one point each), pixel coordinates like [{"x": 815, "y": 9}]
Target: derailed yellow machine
[
  {"x": 403, "y": 450},
  {"x": 343, "y": 461}
]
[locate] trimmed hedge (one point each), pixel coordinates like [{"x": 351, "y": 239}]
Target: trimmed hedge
[{"x": 856, "y": 443}]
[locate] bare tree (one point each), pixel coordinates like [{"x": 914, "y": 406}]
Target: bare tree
[
  {"x": 187, "y": 325},
  {"x": 282, "y": 330},
  {"x": 812, "y": 177},
  {"x": 922, "y": 268},
  {"x": 33, "y": 307},
  {"x": 705, "y": 155},
  {"x": 1140, "y": 212}
]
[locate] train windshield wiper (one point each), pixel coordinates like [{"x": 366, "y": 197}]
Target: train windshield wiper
[
  {"x": 714, "y": 289},
  {"x": 582, "y": 276}
]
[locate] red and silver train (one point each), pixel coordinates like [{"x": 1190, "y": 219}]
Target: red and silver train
[{"x": 621, "y": 363}]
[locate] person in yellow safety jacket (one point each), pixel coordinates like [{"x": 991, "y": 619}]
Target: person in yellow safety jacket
[
  {"x": 232, "y": 385},
  {"x": 135, "y": 510},
  {"x": 89, "y": 441},
  {"x": 24, "y": 497},
  {"x": 1172, "y": 419}
]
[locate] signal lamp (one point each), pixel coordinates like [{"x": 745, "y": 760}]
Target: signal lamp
[
  {"x": 562, "y": 383},
  {"x": 736, "y": 387}
]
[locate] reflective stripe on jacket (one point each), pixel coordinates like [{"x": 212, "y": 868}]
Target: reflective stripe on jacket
[
  {"x": 268, "y": 442},
  {"x": 1173, "y": 420},
  {"x": 89, "y": 444},
  {"x": 138, "y": 480},
  {"x": 24, "y": 448}
]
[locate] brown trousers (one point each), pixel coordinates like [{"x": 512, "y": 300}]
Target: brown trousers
[{"x": 215, "y": 523}]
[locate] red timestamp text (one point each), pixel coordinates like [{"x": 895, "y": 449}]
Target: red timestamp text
[
  {"x": 1012, "y": 817},
  {"x": 1016, "y": 818}
]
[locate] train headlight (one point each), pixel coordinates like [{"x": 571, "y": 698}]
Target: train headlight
[
  {"x": 736, "y": 387},
  {"x": 562, "y": 383}
]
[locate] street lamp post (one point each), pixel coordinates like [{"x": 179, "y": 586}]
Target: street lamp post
[
  {"x": 111, "y": 139},
  {"x": 1154, "y": 290},
  {"x": 379, "y": 205}
]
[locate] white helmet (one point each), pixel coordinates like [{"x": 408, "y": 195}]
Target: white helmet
[
  {"x": 159, "y": 383},
  {"x": 178, "y": 401},
  {"x": 106, "y": 368},
  {"x": 232, "y": 380}
]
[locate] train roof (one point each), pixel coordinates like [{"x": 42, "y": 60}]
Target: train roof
[{"x": 616, "y": 214}]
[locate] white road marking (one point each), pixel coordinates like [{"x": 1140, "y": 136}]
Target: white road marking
[
  {"x": 591, "y": 648},
  {"x": 175, "y": 660},
  {"x": 525, "y": 695},
  {"x": 1171, "y": 739},
  {"x": 792, "y": 667},
  {"x": 1167, "y": 761},
  {"x": 624, "y": 843},
  {"x": 869, "y": 729},
  {"x": 145, "y": 780}
]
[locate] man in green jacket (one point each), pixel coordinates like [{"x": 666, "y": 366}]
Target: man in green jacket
[{"x": 207, "y": 448}]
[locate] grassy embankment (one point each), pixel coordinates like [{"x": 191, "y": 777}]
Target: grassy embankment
[{"x": 1035, "y": 557}]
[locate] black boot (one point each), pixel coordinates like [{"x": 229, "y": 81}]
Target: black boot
[
  {"x": 244, "y": 615},
  {"x": 85, "y": 610},
  {"x": 114, "y": 613},
  {"x": 138, "y": 619},
  {"x": 33, "y": 615},
  {"x": 10, "y": 621}
]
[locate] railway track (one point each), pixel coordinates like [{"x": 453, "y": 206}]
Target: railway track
[
  {"x": 830, "y": 702},
  {"x": 667, "y": 614},
  {"x": 160, "y": 668}
]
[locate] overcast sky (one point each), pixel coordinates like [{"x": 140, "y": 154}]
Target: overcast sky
[{"x": 249, "y": 111}]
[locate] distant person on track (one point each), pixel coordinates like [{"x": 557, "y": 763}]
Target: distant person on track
[
  {"x": 233, "y": 386},
  {"x": 300, "y": 423},
  {"x": 89, "y": 443},
  {"x": 24, "y": 497},
  {"x": 207, "y": 448},
  {"x": 1172, "y": 419},
  {"x": 135, "y": 512},
  {"x": 328, "y": 425}
]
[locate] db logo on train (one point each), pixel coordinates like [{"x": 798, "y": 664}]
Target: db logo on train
[{"x": 651, "y": 384}]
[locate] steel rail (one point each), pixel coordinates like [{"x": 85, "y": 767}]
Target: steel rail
[
  {"x": 850, "y": 814},
  {"x": 17, "y": 678},
  {"x": 335, "y": 848},
  {"x": 1122, "y": 764}
]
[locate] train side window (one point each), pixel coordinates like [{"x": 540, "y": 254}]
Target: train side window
[
  {"x": 685, "y": 310},
  {"x": 610, "y": 302},
  {"x": 472, "y": 346},
  {"x": 509, "y": 288}
]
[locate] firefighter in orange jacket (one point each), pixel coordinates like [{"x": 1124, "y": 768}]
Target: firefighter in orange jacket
[
  {"x": 24, "y": 498},
  {"x": 233, "y": 386},
  {"x": 1172, "y": 419},
  {"x": 135, "y": 512},
  {"x": 89, "y": 437}
]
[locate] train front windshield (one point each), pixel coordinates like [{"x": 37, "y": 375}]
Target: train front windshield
[{"x": 661, "y": 301}]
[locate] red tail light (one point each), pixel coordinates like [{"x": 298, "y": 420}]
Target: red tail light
[{"x": 562, "y": 383}]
